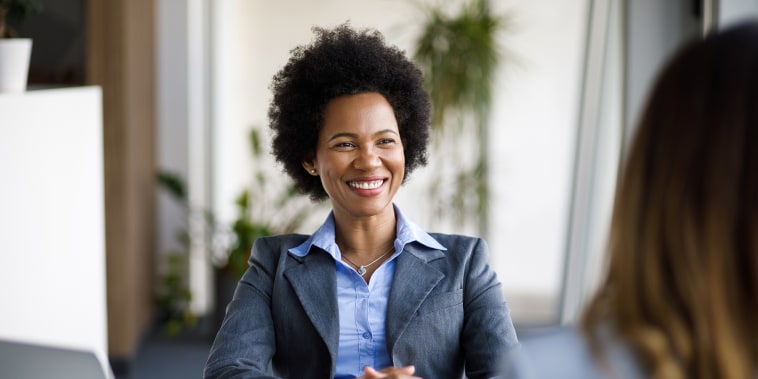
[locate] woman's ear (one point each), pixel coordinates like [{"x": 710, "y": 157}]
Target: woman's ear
[{"x": 310, "y": 167}]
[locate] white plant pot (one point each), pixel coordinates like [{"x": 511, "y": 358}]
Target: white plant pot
[{"x": 14, "y": 64}]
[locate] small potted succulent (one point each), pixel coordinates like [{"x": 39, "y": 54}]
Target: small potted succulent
[{"x": 15, "y": 52}]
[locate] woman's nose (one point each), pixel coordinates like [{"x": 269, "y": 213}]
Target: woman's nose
[{"x": 367, "y": 158}]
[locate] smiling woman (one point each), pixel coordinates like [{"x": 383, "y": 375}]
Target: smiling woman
[{"x": 369, "y": 290}]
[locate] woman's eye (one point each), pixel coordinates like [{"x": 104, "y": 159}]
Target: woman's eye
[
  {"x": 344, "y": 145},
  {"x": 385, "y": 141}
]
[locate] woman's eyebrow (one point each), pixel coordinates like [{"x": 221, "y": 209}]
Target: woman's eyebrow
[
  {"x": 353, "y": 135},
  {"x": 343, "y": 134}
]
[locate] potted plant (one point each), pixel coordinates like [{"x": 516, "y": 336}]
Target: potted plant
[
  {"x": 459, "y": 55},
  {"x": 15, "y": 53},
  {"x": 173, "y": 295},
  {"x": 267, "y": 207}
]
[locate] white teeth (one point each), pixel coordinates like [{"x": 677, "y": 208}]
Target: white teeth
[{"x": 366, "y": 185}]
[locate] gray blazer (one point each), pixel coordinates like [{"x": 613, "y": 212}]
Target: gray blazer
[{"x": 446, "y": 312}]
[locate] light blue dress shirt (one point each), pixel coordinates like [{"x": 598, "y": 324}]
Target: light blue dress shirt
[{"x": 362, "y": 306}]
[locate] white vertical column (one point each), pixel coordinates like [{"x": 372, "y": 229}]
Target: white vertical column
[
  {"x": 199, "y": 180},
  {"x": 597, "y": 155},
  {"x": 184, "y": 131}
]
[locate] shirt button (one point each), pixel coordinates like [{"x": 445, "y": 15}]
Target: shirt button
[{"x": 366, "y": 335}]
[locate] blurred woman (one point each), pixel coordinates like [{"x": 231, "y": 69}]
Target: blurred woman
[{"x": 680, "y": 296}]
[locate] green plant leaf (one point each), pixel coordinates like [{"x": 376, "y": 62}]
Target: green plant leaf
[
  {"x": 255, "y": 142},
  {"x": 21, "y": 9},
  {"x": 173, "y": 183}
]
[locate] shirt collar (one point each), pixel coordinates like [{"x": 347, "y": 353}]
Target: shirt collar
[{"x": 407, "y": 232}]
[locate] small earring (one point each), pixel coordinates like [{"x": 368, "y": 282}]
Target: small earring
[{"x": 313, "y": 171}]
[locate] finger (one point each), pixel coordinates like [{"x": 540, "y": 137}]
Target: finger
[
  {"x": 370, "y": 372},
  {"x": 407, "y": 370},
  {"x": 389, "y": 372}
]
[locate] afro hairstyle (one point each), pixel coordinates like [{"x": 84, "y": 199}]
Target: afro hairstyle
[{"x": 339, "y": 62}]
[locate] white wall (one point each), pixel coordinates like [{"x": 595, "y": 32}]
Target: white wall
[
  {"x": 534, "y": 131},
  {"x": 734, "y": 11},
  {"x": 52, "y": 224}
]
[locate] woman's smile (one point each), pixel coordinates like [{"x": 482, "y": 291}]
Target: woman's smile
[{"x": 366, "y": 184}]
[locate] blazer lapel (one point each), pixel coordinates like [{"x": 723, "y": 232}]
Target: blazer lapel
[
  {"x": 315, "y": 285},
  {"x": 413, "y": 281}
]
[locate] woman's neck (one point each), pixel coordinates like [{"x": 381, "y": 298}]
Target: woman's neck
[{"x": 365, "y": 237}]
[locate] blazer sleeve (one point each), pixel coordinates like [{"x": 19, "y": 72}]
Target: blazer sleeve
[
  {"x": 245, "y": 343},
  {"x": 488, "y": 331}
]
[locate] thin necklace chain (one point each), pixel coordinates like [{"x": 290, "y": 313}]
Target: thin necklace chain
[{"x": 362, "y": 268}]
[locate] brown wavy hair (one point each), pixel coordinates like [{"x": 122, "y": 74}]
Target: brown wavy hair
[{"x": 681, "y": 287}]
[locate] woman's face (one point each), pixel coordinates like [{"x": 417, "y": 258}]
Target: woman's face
[{"x": 359, "y": 155}]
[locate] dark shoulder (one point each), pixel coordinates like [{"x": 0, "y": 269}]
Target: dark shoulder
[
  {"x": 286, "y": 241},
  {"x": 462, "y": 246},
  {"x": 274, "y": 247},
  {"x": 452, "y": 241}
]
